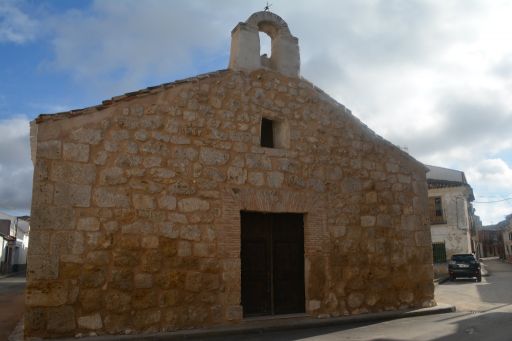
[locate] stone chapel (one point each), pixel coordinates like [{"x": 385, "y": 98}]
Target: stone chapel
[{"x": 212, "y": 200}]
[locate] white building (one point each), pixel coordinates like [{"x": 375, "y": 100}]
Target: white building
[
  {"x": 507, "y": 237},
  {"x": 451, "y": 213},
  {"x": 14, "y": 235}
]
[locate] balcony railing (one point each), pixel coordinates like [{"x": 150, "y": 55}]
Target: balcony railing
[{"x": 436, "y": 220}]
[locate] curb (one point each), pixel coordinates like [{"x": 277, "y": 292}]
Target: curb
[
  {"x": 259, "y": 327},
  {"x": 11, "y": 274},
  {"x": 17, "y": 333},
  {"x": 444, "y": 279},
  {"x": 483, "y": 269},
  {"x": 441, "y": 280}
]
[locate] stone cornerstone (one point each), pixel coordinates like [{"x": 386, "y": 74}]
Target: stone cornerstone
[{"x": 136, "y": 208}]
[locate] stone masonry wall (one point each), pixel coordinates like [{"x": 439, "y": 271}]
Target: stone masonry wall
[{"x": 136, "y": 207}]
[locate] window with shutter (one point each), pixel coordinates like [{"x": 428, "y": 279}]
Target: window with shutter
[{"x": 436, "y": 213}]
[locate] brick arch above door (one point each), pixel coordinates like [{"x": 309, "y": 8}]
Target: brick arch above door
[{"x": 234, "y": 200}]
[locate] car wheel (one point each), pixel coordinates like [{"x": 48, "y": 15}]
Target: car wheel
[
  {"x": 479, "y": 279},
  {"x": 452, "y": 278}
]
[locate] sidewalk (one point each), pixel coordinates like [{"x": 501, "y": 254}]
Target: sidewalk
[
  {"x": 12, "y": 299},
  {"x": 483, "y": 269},
  {"x": 258, "y": 326}
]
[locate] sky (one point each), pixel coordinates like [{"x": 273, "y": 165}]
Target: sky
[{"x": 434, "y": 77}]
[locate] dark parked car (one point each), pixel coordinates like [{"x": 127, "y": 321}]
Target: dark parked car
[{"x": 464, "y": 265}]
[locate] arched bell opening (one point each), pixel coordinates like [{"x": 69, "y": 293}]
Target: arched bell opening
[
  {"x": 265, "y": 49},
  {"x": 248, "y": 53}
]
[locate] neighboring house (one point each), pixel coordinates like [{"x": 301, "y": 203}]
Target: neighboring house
[
  {"x": 243, "y": 192},
  {"x": 22, "y": 243},
  {"x": 451, "y": 214},
  {"x": 475, "y": 236},
  {"x": 496, "y": 240},
  {"x": 14, "y": 233},
  {"x": 490, "y": 241},
  {"x": 8, "y": 234},
  {"x": 507, "y": 238}
]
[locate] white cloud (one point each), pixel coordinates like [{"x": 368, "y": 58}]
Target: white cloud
[
  {"x": 492, "y": 181},
  {"x": 118, "y": 46},
  {"x": 493, "y": 171},
  {"x": 15, "y": 165},
  {"x": 431, "y": 76},
  {"x": 15, "y": 25}
]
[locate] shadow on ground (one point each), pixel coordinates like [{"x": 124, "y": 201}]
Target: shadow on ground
[
  {"x": 488, "y": 327},
  {"x": 290, "y": 334},
  {"x": 493, "y": 326},
  {"x": 12, "y": 299}
]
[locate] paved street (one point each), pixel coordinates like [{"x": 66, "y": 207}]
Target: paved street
[
  {"x": 484, "y": 312},
  {"x": 493, "y": 292},
  {"x": 11, "y": 303}
]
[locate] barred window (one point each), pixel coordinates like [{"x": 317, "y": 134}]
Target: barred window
[{"x": 439, "y": 252}]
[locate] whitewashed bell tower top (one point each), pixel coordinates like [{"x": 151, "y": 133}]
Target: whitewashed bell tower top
[{"x": 245, "y": 45}]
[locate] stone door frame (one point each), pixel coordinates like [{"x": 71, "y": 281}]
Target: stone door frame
[{"x": 311, "y": 204}]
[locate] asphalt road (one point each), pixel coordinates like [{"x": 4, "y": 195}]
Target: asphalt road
[
  {"x": 12, "y": 298},
  {"x": 484, "y": 312},
  {"x": 493, "y": 292}
]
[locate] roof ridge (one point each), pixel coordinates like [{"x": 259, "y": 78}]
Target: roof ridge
[
  {"x": 451, "y": 169},
  {"x": 142, "y": 92}
]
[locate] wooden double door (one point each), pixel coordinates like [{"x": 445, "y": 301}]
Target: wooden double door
[{"x": 272, "y": 256}]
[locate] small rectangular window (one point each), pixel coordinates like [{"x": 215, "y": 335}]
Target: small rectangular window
[
  {"x": 275, "y": 133},
  {"x": 439, "y": 252},
  {"x": 267, "y": 133},
  {"x": 436, "y": 213},
  {"x": 438, "y": 207}
]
